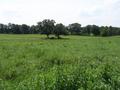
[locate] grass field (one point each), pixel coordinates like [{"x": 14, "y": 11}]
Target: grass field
[{"x": 31, "y": 62}]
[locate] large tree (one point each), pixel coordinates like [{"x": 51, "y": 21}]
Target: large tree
[
  {"x": 47, "y": 26},
  {"x": 60, "y": 29}
]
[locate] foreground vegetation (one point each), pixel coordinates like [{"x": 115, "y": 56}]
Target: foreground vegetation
[{"x": 31, "y": 62}]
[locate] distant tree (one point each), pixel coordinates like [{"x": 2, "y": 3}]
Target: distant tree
[
  {"x": 86, "y": 30},
  {"x": 95, "y": 30},
  {"x": 34, "y": 29},
  {"x": 3, "y": 28},
  {"x": 14, "y": 28},
  {"x": 47, "y": 27},
  {"x": 104, "y": 31},
  {"x": 75, "y": 28},
  {"x": 110, "y": 31},
  {"x": 10, "y": 28},
  {"x": 25, "y": 29},
  {"x": 60, "y": 29}
]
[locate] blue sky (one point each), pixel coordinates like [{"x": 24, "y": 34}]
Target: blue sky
[{"x": 99, "y": 12}]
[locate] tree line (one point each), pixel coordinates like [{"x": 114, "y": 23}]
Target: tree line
[{"x": 50, "y": 27}]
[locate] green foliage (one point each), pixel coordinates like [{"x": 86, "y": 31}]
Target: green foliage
[
  {"x": 75, "y": 28},
  {"x": 104, "y": 31},
  {"x": 47, "y": 27},
  {"x": 60, "y": 30},
  {"x": 29, "y": 62},
  {"x": 95, "y": 30}
]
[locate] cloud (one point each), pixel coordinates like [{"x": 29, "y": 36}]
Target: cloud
[{"x": 100, "y": 12}]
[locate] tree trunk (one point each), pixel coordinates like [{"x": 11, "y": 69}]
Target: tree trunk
[
  {"x": 47, "y": 36},
  {"x": 58, "y": 36}
]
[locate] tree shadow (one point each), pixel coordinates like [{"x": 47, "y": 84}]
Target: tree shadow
[{"x": 54, "y": 38}]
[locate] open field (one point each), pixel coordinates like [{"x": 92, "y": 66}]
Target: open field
[{"x": 31, "y": 62}]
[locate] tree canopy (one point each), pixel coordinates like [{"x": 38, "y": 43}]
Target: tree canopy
[{"x": 50, "y": 27}]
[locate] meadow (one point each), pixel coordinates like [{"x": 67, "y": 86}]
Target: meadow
[{"x": 31, "y": 62}]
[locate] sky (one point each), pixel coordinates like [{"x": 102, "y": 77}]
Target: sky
[{"x": 99, "y": 12}]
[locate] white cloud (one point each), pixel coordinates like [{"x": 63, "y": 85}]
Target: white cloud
[{"x": 100, "y": 12}]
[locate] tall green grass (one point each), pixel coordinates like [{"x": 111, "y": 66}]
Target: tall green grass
[{"x": 31, "y": 62}]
